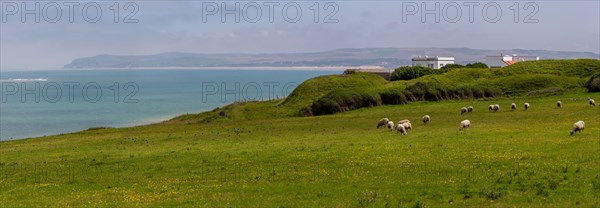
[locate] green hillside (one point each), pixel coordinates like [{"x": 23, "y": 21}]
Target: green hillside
[{"x": 264, "y": 154}]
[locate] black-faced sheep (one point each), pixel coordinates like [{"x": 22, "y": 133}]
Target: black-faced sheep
[
  {"x": 390, "y": 125},
  {"x": 400, "y": 129},
  {"x": 426, "y": 119},
  {"x": 526, "y": 106},
  {"x": 513, "y": 106},
  {"x": 404, "y": 121},
  {"x": 592, "y": 102},
  {"x": 383, "y": 122},
  {"x": 407, "y": 126},
  {"x": 463, "y": 110},
  {"x": 464, "y": 124},
  {"x": 558, "y": 104},
  {"x": 494, "y": 107},
  {"x": 470, "y": 109},
  {"x": 577, "y": 126}
]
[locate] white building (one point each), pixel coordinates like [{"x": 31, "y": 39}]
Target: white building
[
  {"x": 432, "y": 62},
  {"x": 507, "y": 60}
]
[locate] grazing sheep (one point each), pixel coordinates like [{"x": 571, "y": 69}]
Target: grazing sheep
[
  {"x": 470, "y": 109},
  {"x": 578, "y": 126},
  {"x": 513, "y": 106},
  {"x": 592, "y": 102},
  {"x": 390, "y": 125},
  {"x": 404, "y": 121},
  {"x": 383, "y": 122},
  {"x": 426, "y": 119},
  {"x": 464, "y": 124},
  {"x": 526, "y": 105},
  {"x": 558, "y": 104},
  {"x": 407, "y": 126},
  {"x": 400, "y": 129},
  {"x": 494, "y": 107},
  {"x": 463, "y": 110}
]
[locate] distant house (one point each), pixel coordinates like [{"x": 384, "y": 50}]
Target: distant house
[
  {"x": 383, "y": 72},
  {"x": 432, "y": 62},
  {"x": 507, "y": 60}
]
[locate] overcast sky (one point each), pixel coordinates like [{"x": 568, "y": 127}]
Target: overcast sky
[{"x": 197, "y": 26}]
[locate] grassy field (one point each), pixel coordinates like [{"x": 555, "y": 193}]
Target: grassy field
[
  {"x": 263, "y": 154},
  {"x": 505, "y": 159}
]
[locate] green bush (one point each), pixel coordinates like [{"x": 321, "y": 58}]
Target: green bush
[
  {"x": 428, "y": 91},
  {"x": 452, "y": 66},
  {"x": 412, "y": 72},
  {"x": 593, "y": 84},
  {"x": 477, "y": 65},
  {"x": 393, "y": 96},
  {"x": 343, "y": 100},
  {"x": 350, "y": 71}
]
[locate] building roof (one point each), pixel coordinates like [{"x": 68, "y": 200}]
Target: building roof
[
  {"x": 436, "y": 58},
  {"x": 511, "y": 56},
  {"x": 373, "y": 70}
]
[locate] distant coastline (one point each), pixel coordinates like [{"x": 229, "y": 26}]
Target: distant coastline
[
  {"x": 266, "y": 68},
  {"x": 338, "y": 59}
]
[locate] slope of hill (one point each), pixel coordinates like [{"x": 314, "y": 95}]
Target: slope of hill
[
  {"x": 336, "y": 93},
  {"x": 385, "y": 57},
  {"x": 261, "y": 154}
]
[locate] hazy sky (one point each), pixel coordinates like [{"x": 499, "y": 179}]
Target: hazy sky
[{"x": 272, "y": 26}]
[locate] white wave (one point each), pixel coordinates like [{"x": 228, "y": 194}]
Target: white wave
[{"x": 24, "y": 80}]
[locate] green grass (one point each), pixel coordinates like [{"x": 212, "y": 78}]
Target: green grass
[
  {"x": 262, "y": 154},
  {"x": 339, "y": 160},
  {"x": 515, "y": 80}
]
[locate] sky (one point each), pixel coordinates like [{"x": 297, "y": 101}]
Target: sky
[{"x": 72, "y": 29}]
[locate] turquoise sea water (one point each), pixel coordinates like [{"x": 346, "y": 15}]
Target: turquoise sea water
[{"x": 38, "y": 103}]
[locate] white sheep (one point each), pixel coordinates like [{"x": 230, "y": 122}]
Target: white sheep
[
  {"x": 526, "y": 106},
  {"x": 404, "y": 121},
  {"x": 464, "y": 124},
  {"x": 558, "y": 104},
  {"x": 577, "y": 126},
  {"x": 407, "y": 126},
  {"x": 494, "y": 107},
  {"x": 390, "y": 125},
  {"x": 592, "y": 102},
  {"x": 426, "y": 119},
  {"x": 470, "y": 109},
  {"x": 513, "y": 106},
  {"x": 400, "y": 129},
  {"x": 463, "y": 110},
  {"x": 383, "y": 122}
]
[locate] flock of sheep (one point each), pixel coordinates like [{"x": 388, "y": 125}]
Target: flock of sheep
[{"x": 403, "y": 126}]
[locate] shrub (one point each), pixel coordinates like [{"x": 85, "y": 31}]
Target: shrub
[
  {"x": 477, "y": 65},
  {"x": 437, "y": 92},
  {"x": 409, "y": 96},
  {"x": 411, "y": 72},
  {"x": 343, "y": 100},
  {"x": 350, "y": 71},
  {"x": 452, "y": 66},
  {"x": 593, "y": 84},
  {"x": 393, "y": 96}
]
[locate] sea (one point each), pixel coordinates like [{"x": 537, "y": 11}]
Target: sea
[{"x": 50, "y": 102}]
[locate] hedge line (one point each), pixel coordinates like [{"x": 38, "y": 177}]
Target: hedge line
[{"x": 345, "y": 99}]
